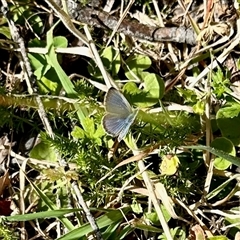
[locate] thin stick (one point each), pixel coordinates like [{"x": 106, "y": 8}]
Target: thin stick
[
  {"x": 120, "y": 21},
  {"x": 154, "y": 200},
  {"x": 169, "y": 45},
  {"x": 208, "y": 161},
  {"x": 86, "y": 210}
]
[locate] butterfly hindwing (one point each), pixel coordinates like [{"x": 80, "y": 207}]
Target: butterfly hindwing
[
  {"x": 113, "y": 124},
  {"x": 128, "y": 122}
]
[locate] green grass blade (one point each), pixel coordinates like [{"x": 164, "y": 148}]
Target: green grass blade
[
  {"x": 39, "y": 215},
  {"x": 108, "y": 219},
  {"x": 64, "y": 79},
  {"x": 220, "y": 153}
]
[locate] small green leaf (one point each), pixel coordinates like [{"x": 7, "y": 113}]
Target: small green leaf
[
  {"x": 220, "y": 82},
  {"x": 228, "y": 119},
  {"x": 60, "y": 41},
  {"x": 230, "y": 110},
  {"x": 99, "y": 131},
  {"x": 41, "y": 71},
  {"x": 48, "y": 80},
  {"x": 43, "y": 151},
  {"x": 199, "y": 107},
  {"x": 188, "y": 95},
  {"x": 136, "y": 64},
  {"x": 52, "y": 60},
  {"x": 131, "y": 91},
  {"x": 153, "y": 217},
  {"x": 221, "y": 163},
  {"x": 150, "y": 95},
  {"x": 89, "y": 128},
  {"x": 218, "y": 238},
  {"x": 5, "y": 31},
  {"x": 169, "y": 165},
  {"x": 154, "y": 85},
  {"x": 78, "y": 133},
  {"x": 111, "y": 59},
  {"x": 46, "y": 85},
  {"x": 225, "y": 145},
  {"x": 137, "y": 208},
  {"x": 176, "y": 233}
]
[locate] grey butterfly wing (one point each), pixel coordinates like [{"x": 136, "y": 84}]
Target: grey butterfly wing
[
  {"x": 128, "y": 122},
  {"x": 120, "y": 115},
  {"x": 116, "y": 126},
  {"x": 113, "y": 124},
  {"x": 117, "y": 104}
]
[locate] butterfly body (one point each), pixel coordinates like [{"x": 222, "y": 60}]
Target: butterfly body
[{"x": 120, "y": 115}]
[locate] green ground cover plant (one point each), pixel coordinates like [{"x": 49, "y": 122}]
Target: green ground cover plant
[{"x": 66, "y": 174}]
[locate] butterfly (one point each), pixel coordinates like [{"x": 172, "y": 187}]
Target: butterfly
[{"x": 120, "y": 115}]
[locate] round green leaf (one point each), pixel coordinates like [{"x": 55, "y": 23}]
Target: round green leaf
[
  {"x": 225, "y": 145},
  {"x": 151, "y": 94},
  {"x": 43, "y": 151},
  {"x": 60, "y": 41},
  {"x": 228, "y": 119},
  {"x": 154, "y": 86},
  {"x": 111, "y": 60},
  {"x": 138, "y": 62},
  {"x": 136, "y": 65}
]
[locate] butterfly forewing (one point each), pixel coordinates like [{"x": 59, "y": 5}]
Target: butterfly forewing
[{"x": 117, "y": 104}]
